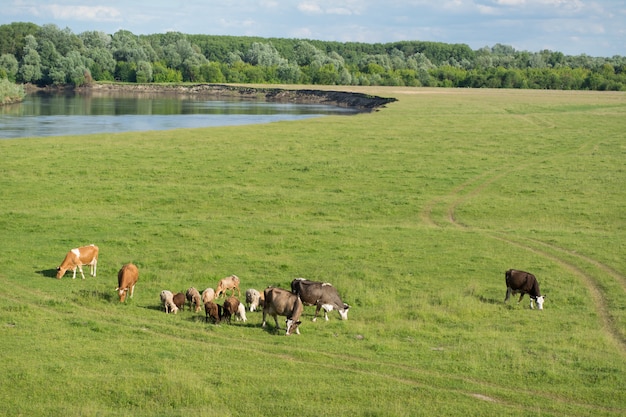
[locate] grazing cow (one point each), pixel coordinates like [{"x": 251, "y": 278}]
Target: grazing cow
[
  {"x": 320, "y": 294},
  {"x": 126, "y": 279},
  {"x": 254, "y": 299},
  {"x": 228, "y": 283},
  {"x": 193, "y": 296},
  {"x": 208, "y": 295},
  {"x": 76, "y": 258},
  {"x": 179, "y": 299},
  {"x": 232, "y": 306},
  {"x": 279, "y": 302},
  {"x": 167, "y": 299},
  {"x": 213, "y": 311},
  {"x": 523, "y": 283}
]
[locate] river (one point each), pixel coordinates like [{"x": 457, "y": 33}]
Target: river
[{"x": 72, "y": 113}]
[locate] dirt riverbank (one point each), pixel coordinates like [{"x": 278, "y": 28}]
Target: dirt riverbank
[{"x": 361, "y": 101}]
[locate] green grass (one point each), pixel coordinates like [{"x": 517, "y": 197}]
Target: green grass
[{"x": 414, "y": 212}]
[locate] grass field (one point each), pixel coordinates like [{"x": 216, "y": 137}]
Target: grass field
[{"x": 413, "y": 212}]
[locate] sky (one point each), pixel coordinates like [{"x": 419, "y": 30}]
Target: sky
[{"x": 595, "y": 27}]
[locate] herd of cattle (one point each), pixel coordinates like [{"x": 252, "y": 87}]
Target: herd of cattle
[{"x": 274, "y": 301}]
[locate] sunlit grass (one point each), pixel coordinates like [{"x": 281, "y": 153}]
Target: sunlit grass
[{"x": 413, "y": 212}]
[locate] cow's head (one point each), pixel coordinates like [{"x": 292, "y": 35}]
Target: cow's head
[
  {"x": 343, "y": 313},
  {"x": 61, "y": 272},
  {"x": 122, "y": 293},
  {"x": 539, "y": 300},
  {"x": 292, "y": 327}
]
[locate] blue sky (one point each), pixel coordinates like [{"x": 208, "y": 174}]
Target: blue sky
[{"x": 595, "y": 28}]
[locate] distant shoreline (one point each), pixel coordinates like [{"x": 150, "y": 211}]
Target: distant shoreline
[{"x": 360, "y": 101}]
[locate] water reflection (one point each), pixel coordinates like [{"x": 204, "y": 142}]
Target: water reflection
[{"x": 46, "y": 114}]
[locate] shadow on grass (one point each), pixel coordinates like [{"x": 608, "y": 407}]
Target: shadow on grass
[
  {"x": 99, "y": 295},
  {"x": 48, "y": 273},
  {"x": 487, "y": 300}
]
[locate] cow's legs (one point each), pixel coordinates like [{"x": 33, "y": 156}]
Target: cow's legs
[
  {"x": 520, "y": 298},
  {"x": 132, "y": 291},
  {"x": 275, "y": 320},
  {"x": 93, "y": 266},
  {"x": 317, "y": 310},
  {"x": 508, "y": 294}
]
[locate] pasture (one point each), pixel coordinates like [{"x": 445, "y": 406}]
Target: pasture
[{"x": 413, "y": 212}]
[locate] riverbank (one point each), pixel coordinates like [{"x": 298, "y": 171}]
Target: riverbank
[{"x": 360, "y": 101}]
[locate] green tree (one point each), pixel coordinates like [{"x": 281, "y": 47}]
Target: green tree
[
  {"x": 30, "y": 70},
  {"x": 211, "y": 72},
  {"x": 144, "y": 72},
  {"x": 163, "y": 74},
  {"x": 100, "y": 57},
  {"x": 126, "y": 47},
  {"x": 9, "y": 66}
]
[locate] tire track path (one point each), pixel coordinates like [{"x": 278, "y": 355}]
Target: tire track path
[{"x": 474, "y": 187}]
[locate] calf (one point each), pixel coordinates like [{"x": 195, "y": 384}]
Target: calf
[
  {"x": 228, "y": 283},
  {"x": 524, "y": 283},
  {"x": 126, "y": 279},
  {"x": 193, "y": 296},
  {"x": 254, "y": 299},
  {"x": 213, "y": 311},
  {"x": 279, "y": 302},
  {"x": 320, "y": 294},
  {"x": 232, "y": 306},
  {"x": 76, "y": 258},
  {"x": 168, "y": 302},
  {"x": 179, "y": 300}
]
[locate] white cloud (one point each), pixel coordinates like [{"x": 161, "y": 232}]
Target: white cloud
[
  {"x": 310, "y": 8},
  {"x": 93, "y": 13}
]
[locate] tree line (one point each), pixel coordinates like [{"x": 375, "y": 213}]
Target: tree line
[{"x": 48, "y": 55}]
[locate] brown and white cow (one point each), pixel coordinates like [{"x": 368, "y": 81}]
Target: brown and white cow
[
  {"x": 524, "y": 283},
  {"x": 126, "y": 280},
  {"x": 213, "y": 311},
  {"x": 193, "y": 296},
  {"x": 228, "y": 283},
  {"x": 279, "y": 302},
  {"x": 233, "y": 307},
  {"x": 320, "y": 294},
  {"x": 76, "y": 258}
]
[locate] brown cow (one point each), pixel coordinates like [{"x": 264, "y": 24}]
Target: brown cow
[
  {"x": 76, "y": 258},
  {"x": 126, "y": 279},
  {"x": 193, "y": 296},
  {"x": 524, "y": 283},
  {"x": 232, "y": 306},
  {"x": 214, "y": 311},
  {"x": 228, "y": 283},
  {"x": 179, "y": 300},
  {"x": 284, "y": 303}
]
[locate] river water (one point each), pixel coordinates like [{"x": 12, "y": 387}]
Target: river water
[{"x": 57, "y": 114}]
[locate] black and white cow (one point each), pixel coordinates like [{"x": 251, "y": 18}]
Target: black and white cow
[
  {"x": 320, "y": 294},
  {"x": 523, "y": 283}
]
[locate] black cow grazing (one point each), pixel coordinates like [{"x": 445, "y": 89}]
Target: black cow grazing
[
  {"x": 320, "y": 294},
  {"x": 523, "y": 283},
  {"x": 279, "y": 302}
]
